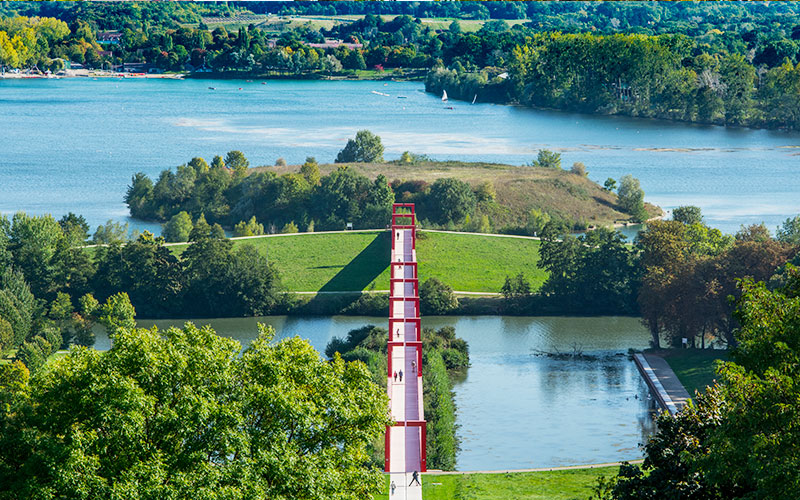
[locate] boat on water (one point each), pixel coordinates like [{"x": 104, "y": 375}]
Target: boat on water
[
  {"x": 444, "y": 96},
  {"x": 212, "y": 88},
  {"x": 379, "y": 93},
  {"x": 402, "y": 97}
]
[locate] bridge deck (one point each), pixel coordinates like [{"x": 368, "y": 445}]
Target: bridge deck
[{"x": 406, "y": 439}]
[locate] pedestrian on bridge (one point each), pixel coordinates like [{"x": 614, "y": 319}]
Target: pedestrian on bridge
[
  {"x": 414, "y": 367},
  {"x": 415, "y": 478},
  {"x": 393, "y": 487},
  {"x": 395, "y": 376},
  {"x": 401, "y": 375}
]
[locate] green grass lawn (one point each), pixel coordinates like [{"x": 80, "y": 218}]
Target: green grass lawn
[
  {"x": 694, "y": 367},
  {"x": 553, "y": 485},
  {"x": 360, "y": 261}
]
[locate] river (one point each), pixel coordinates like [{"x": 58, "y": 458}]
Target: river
[
  {"x": 517, "y": 410},
  {"x": 73, "y": 144}
]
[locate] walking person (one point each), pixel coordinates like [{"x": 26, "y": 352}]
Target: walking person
[
  {"x": 395, "y": 376},
  {"x": 393, "y": 486},
  {"x": 414, "y": 367},
  {"x": 401, "y": 375},
  {"x": 415, "y": 478}
]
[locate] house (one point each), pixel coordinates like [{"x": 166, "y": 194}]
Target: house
[{"x": 333, "y": 44}]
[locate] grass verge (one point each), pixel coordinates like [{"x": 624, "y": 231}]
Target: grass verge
[
  {"x": 550, "y": 485},
  {"x": 694, "y": 367}
]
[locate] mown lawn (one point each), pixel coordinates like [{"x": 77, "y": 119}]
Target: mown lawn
[
  {"x": 359, "y": 261},
  {"x": 694, "y": 367},
  {"x": 553, "y": 485}
]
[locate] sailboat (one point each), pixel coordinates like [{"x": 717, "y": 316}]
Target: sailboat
[
  {"x": 474, "y": 98},
  {"x": 444, "y": 96}
]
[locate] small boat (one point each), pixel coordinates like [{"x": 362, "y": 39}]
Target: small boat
[
  {"x": 402, "y": 97},
  {"x": 379, "y": 93},
  {"x": 474, "y": 98},
  {"x": 449, "y": 107},
  {"x": 263, "y": 83},
  {"x": 212, "y": 88},
  {"x": 444, "y": 96}
]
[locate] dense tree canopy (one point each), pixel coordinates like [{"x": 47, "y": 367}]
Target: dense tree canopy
[{"x": 180, "y": 414}]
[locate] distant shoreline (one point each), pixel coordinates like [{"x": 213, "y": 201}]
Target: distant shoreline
[{"x": 86, "y": 73}]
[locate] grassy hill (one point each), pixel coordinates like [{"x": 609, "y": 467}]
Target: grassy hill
[
  {"x": 357, "y": 261},
  {"x": 519, "y": 189}
]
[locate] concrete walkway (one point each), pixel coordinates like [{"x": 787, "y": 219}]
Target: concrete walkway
[
  {"x": 542, "y": 469},
  {"x": 662, "y": 381}
]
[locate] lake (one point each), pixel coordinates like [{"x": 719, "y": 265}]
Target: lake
[
  {"x": 517, "y": 410},
  {"x": 73, "y": 144}
]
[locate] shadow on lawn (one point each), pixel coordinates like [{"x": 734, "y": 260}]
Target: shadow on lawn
[
  {"x": 354, "y": 277},
  {"x": 363, "y": 269}
]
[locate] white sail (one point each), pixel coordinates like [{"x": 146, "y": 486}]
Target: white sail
[
  {"x": 474, "y": 98},
  {"x": 444, "y": 96}
]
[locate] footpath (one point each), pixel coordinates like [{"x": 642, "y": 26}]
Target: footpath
[{"x": 662, "y": 381}]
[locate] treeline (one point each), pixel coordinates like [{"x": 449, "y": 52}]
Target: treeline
[
  {"x": 53, "y": 290},
  {"x": 229, "y": 194},
  {"x": 666, "y": 76},
  {"x": 679, "y": 275},
  {"x": 444, "y": 355},
  {"x": 737, "y": 439}
]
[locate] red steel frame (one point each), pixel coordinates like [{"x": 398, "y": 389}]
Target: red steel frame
[{"x": 404, "y": 217}]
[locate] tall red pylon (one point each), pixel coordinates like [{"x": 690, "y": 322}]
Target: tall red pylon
[{"x": 406, "y": 439}]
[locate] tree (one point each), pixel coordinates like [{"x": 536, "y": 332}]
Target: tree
[
  {"x": 450, "y": 200},
  {"x": 610, "y": 184},
  {"x": 290, "y": 227},
  {"x": 436, "y": 297},
  {"x": 181, "y": 414},
  {"x": 547, "y": 159},
  {"x": 631, "y": 198},
  {"x": 75, "y": 228},
  {"x": 688, "y": 215},
  {"x": 111, "y": 232},
  {"x": 178, "y": 228},
  {"x": 366, "y": 147},
  {"x": 579, "y": 168},
  {"x": 789, "y": 231},
  {"x": 116, "y": 313},
  {"x": 310, "y": 171},
  {"x": 237, "y": 162},
  {"x": 249, "y": 228}
]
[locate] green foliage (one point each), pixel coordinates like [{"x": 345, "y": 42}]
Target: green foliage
[
  {"x": 310, "y": 171},
  {"x": 631, "y": 198},
  {"x": 111, "y": 232},
  {"x": 236, "y": 162},
  {"x": 249, "y": 228},
  {"x": 442, "y": 444},
  {"x": 450, "y": 200},
  {"x": 116, "y": 313},
  {"x": 366, "y": 147},
  {"x": 579, "y": 168},
  {"x": 595, "y": 272},
  {"x": 178, "y": 228},
  {"x": 547, "y": 159},
  {"x": 610, "y": 184},
  {"x": 285, "y": 423},
  {"x": 688, "y": 214},
  {"x": 789, "y": 231},
  {"x": 6, "y": 335},
  {"x": 436, "y": 297},
  {"x": 290, "y": 228}
]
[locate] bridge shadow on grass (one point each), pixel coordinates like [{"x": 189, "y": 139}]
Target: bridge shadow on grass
[
  {"x": 363, "y": 269},
  {"x": 354, "y": 277}
]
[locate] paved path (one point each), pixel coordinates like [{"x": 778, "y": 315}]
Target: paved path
[{"x": 662, "y": 381}]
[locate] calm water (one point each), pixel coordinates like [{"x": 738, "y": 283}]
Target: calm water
[
  {"x": 516, "y": 410},
  {"x": 73, "y": 144}
]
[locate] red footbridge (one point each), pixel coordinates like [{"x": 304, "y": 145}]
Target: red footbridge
[{"x": 405, "y": 440}]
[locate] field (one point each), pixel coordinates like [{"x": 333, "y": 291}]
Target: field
[
  {"x": 551, "y": 485},
  {"x": 694, "y": 367},
  {"x": 519, "y": 189},
  {"x": 356, "y": 261}
]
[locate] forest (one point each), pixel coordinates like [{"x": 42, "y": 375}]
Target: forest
[{"x": 726, "y": 64}]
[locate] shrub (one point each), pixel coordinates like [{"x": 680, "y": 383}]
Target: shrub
[{"x": 436, "y": 297}]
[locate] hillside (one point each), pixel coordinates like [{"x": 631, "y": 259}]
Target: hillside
[
  {"x": 520, "y": 189},
  {"x": 355, "y": 261}
]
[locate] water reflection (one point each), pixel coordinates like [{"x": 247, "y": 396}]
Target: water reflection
[{"x": 517, "y": 409}]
